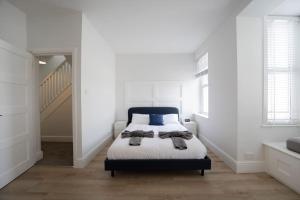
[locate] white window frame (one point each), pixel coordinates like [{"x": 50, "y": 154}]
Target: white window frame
[
  {"x": 202, "y": 70},
  {"x": 266, "y": 71}
]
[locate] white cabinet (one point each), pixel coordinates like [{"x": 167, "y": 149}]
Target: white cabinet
[
  {"x": 119, "y": 126},
  {"x": 191, "y": 126},
  {"x": 283, "y": 164}
]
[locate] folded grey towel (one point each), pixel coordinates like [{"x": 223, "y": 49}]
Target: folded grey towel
[
  {"x": 179, "y": 143},
  {"x": 183, "y": 134},
  {"x": 136, "y": 136},
  {"x": 137, "y": 133},
  {"x": 177, "y": 138}
]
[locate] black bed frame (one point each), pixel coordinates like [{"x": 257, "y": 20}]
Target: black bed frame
[{"x": 156, "y": 164}]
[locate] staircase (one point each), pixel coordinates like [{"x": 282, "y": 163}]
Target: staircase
[{"x": 55, "y": 89}]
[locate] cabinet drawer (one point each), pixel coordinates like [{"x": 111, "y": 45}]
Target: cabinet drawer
[{"x": 283, "y": 167}]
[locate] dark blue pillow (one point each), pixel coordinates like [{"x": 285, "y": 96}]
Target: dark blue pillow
[{"x": 156, "y": 120}]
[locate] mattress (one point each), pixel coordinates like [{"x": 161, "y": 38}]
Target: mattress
[{"x": 155, "y": 148}]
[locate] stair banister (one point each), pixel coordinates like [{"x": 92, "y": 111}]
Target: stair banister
[{"x": 54, "y": 84}]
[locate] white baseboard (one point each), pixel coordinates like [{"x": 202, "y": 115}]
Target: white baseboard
[
  {"x": 12, "y": 173},
  {"x": 56, "y": 138},
  {"x": 231, "y": 162},
  {"x": 86, "y": 159},
  {"x": 236, "y": 166},
  {"x": 250, "y": 166},
  {"x": 39, "y": 155}
]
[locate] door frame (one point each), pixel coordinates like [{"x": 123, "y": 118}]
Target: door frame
[{"x": 76, "y": 119}]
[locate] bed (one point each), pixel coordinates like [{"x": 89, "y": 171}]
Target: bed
[{"x": 156, "y": 153}]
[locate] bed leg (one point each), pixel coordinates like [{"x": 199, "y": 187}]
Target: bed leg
[
  {"x": 112, "y": 173},
  {"x": 202, "y": 172}
]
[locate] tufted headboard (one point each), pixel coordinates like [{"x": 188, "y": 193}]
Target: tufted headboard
[{"x": 151, "y": 110}]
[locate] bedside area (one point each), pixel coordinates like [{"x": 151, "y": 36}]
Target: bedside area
[
  {"x": 191, "y": 126},
  {"x": 282, "y": 164},
  {"x": 119, "y": 126}
]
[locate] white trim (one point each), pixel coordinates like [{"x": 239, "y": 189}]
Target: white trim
[
  {"x": 231, "y": 162},
  {"x": 52, "y": 51},
  {"x": 283, "y": 17},
  {"x": 236, "y": 166},
  {"x": 35, "y": 108},
  {"x": 13, "y": 173},
  {"x": 39, "y": 155},
  {"x": 15, "y": 50},
  {"x": 279, "y": 125},
  {"x": 86, "y": 159},
  {"x": 201, "y": 115},
  {"x": 250, "y": 166},
  {"x": 76, "y": 107},
  {"x": 47, "y": 138}
]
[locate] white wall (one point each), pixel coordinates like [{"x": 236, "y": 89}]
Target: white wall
[
  {"x": 54, "y": 29},
  {"x": 251, "y": 133},
  {"x": 220, "y": 128},
  {"x": 234, "y": 128},
  {"x": 57, "y": 127},
  {"x": 98, "y": 88},
  {"x": 52, "y": 63},
  {"x": 151, "y": 68},
  {"x": 12, "y": 25}
]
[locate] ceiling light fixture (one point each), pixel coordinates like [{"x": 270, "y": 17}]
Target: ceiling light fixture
[{"x": 42, "y": 62}]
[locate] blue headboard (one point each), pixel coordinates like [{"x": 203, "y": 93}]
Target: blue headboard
[{"x": 151, "y": 110}]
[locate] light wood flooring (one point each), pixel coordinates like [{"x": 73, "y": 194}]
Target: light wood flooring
[
  {"x": 93, "y": 183},
  {"x": 57, "y": 153}
]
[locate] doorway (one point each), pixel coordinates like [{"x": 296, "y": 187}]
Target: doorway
[{"x": 55, "y": 107}]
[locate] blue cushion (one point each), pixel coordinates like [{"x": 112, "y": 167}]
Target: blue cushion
[{"x": 156, "y": 120}]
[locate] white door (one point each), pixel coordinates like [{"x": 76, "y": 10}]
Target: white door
[{"x": 17, "y": 141}]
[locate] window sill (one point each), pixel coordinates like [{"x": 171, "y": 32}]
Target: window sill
[
  {"x": 279, "y": 125},
  {"x": 202, "y": 115}
]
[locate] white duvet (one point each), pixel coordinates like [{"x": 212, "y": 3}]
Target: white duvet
[{"x": 155, "y": 148}]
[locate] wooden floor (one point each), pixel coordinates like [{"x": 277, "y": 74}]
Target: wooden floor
[
  {"x": 57, "y": 153},
  {"x": 93, "y": 183}
]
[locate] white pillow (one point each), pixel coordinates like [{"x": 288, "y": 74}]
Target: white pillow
[
  {"x": 171, "y": 119},
  {"x": 140, "y": 118}
]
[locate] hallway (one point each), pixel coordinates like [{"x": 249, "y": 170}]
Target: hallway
[{"x": 57, "y": 154}]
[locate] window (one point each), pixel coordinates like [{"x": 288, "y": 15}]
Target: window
[
  {"x": 202, "y": 76},
  {"x": 280, "y": 70}
]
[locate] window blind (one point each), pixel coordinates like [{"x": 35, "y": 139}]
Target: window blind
[
  {"x": 202, "y": 75},
  {"x": 280, "y": 70},
  {"x": 202, "y": 65}
]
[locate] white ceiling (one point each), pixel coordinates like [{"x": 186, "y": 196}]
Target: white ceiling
[
  {"x": 146, "y": 26},
  {"x": 288, "y": 7}
]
